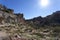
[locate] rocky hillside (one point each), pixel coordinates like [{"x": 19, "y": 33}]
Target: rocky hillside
[
  {"x": 50, "y": 20},
  {"x": 14, "y": 26},
  {"x": 27, "y": 32},
  {"x": 8, "y": 16}
]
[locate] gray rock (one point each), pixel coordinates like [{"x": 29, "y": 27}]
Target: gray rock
[{"x": 4, "y": 36}]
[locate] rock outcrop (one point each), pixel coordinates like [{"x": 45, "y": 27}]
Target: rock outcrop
[{"x": 7, "y": 16}]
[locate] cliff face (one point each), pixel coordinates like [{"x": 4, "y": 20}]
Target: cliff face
[{"x": 8, "y": 16}]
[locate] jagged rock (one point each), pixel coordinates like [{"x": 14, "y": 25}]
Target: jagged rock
[
  {"x": 21, "y": 18},
  {"x": 9, "y": 16}
]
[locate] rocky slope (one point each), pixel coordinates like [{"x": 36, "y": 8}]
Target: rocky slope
[
  {"x": 50, "y": 20},
  {"x": 8, "y": 16},
  {"x": 15, "y": 27},
  {"x": 26, "y": 32}
]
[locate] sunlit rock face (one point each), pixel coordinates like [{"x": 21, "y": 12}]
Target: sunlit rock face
[
  {"x": 2, "y": 7},
  {"x": 8, "y": 16},
  {"x": 20, "y": 18}
]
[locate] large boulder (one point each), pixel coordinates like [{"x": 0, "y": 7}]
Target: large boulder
[{"x": 4, "y": 36}]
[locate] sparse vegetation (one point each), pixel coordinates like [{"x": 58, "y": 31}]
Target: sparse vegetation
[{"x": 38, "y": 28}]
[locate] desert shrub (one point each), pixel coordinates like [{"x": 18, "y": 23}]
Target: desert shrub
[
  {"x": 56, "y": 30},
  {"x": 38, "y": 34}
]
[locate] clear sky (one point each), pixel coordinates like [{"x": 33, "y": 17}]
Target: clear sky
[{"x": 32, "y": 8}]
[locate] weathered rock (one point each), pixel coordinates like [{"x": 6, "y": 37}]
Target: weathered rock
[
  {"x": 9, "y": 16},
  {"x": 4, "y": 36}
]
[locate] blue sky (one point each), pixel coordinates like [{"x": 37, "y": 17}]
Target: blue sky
[{"x": 31, "y": 8}]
